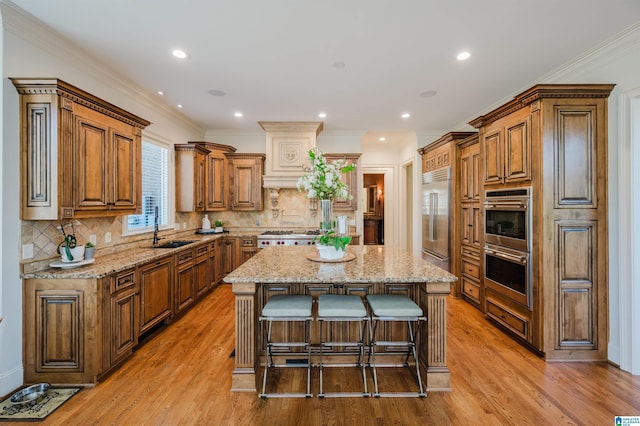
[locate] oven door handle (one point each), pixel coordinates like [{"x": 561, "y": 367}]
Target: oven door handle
[
  {"x": 508, "y": 205},
  {"x": 515, "y": 258}
]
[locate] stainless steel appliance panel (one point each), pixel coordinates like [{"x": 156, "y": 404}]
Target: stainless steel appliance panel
[{"x": 436, "y": 188}]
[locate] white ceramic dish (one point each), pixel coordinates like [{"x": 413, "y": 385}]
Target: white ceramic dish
[{"x": 61, "y": 264}]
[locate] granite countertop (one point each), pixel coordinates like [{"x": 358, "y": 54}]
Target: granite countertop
[
  {"x": 384, "y": 264},
  {"x": 127, "y": 258}
]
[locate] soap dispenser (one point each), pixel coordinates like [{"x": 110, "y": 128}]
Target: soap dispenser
[{"x": 206, "y": 224}]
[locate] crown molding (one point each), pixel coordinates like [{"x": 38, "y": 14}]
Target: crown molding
[{"x": 26, "y": 27}]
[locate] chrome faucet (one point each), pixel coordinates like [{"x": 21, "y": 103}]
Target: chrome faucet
[{"x": 155, "y": 228}]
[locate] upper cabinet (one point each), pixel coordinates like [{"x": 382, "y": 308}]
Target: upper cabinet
[
  {"x": 245, "y": 181},
  {"x": 202, "y": 176},
  {"x": 80, "y": 155},
  {"x": 190, "y": 177},
  {"x": 507, "y": 147},
  {"x": 350, "y": 179}
]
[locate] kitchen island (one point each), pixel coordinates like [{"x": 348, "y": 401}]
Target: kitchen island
[{"x": 374, "y": 270}]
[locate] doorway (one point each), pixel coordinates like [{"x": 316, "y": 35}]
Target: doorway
[{"x": 373, "y": 211}]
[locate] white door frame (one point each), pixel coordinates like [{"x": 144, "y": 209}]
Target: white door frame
[
  {"x": 391, "y": 211},
  {"x": 623, "y": 311}
]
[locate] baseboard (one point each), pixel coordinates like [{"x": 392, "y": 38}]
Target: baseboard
[{"x": 10, "y": 381}]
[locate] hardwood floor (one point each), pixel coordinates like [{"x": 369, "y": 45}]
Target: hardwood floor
[{"x": 183, "y": 375}]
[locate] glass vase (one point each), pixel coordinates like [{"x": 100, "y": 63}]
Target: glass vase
[{"x": 326, "y": 216}]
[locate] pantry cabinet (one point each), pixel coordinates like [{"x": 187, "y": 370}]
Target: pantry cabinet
[
  {"x": 80, "y": 155},
  {"x": 553, "y": 139}
]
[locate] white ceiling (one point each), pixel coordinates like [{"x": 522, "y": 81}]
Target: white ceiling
[{"x": 276, "y": 60}]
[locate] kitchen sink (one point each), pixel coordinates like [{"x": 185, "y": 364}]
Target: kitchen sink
[{"x": 174, "y": 244}]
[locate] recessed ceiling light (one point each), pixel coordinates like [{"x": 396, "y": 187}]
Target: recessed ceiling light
[
  {"x": 463, "y": 56},
  {"x": 406, "y": 115},
  {"x": 237, "y": 114},
  {"x": 322, "y": 115},
  {"x": 160, "y": 92},
  {"x": 216, "y": 92},
  {"x": 382, "y": 139},
  {"x": 179, "y": 105},
  {"x": 428, "y": 93},
  {"x": 180, "y": 54}
]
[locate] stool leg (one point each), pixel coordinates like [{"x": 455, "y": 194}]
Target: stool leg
[
  {"x": 268, "y": 361},
  {"x": 372, "y": 355},
  {"x": 415, "y": 358},
  {"x": 321, "y": 393},
  {"x": 361, "y": 362},
  {"x": 307, "y": 339}
]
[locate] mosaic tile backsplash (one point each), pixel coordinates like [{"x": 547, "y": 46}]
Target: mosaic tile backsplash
[{"x": 293, "y": 212}]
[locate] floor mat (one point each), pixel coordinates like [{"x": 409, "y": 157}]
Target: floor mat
[{"x": 53, "y": 399}]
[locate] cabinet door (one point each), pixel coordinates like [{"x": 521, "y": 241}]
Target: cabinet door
[
  {"x": 201, "y": 272},
  {"x": 199, "y": 183},
  {"x": 476, "y": 226},
  {"x": 125, "y": 170},
  {"x": 466, "y": 183},
  {"x": 493, "y": 153},
  {"x": 350, "y": 179},
  {"x": 467, "y": 224},
  {"x": 246, "y": 184},
  {"x": 517, "y": 151},
  {"x": 92, "y": 162},
  {"x": 216, "y": 182},
  {"x": 155, "y": 293},
  {"x": 474, "y": 174},
  {"x": 229, "y": 256},
  {"x": 124, "y": 324},
  {"x": 184, "y": 283}
]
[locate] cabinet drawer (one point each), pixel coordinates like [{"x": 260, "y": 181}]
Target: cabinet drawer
[
  {"x": 471, "y": 289},
  {"x": 248, "y": 242},
  {"x": 471, "y": 252},
  {"x": 202, "y": 251},
  {"x": 470, "y": 269},
  {"x": 123, "y": 280},
  {"x": 184, "y": 257},
  {"x": 511, "y": 320}
]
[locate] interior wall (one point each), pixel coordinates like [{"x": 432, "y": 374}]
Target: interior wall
[{"x": 30, "y": 50}]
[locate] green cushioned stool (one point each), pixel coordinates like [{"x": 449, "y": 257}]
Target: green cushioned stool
[
  {"x": 333, "y": 308},
  {"x": 389, "y": 308},
  {"x": 285, "y": 309}
]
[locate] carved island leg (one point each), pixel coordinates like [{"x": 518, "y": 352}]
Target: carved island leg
[
  {"x": 246, "y": 358},
  {"x": 438, "y": 377}
]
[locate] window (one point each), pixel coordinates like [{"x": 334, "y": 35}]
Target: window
[{"x": 155, "y": 190}]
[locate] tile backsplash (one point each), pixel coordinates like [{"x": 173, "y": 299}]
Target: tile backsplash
[{"x": 293, "y": 212}]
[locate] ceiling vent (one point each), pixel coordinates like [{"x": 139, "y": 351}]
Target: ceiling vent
[{"x": 287, "y": 145}]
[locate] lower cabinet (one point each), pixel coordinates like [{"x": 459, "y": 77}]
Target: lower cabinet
[
  {"x": 121, "y": 322},
  {"x": 185, "y": 294},
  {"x": 248, "y": 247},
  {"x": 155, "y": 292},
  {"x": 202, "y": 271}
]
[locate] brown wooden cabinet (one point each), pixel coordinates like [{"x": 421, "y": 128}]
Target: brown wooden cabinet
[
  {"x": 245, "y": 181},
  {"x": 350, "y": 179},
  {"x": 248, "y": 247},
  {"x": 121, "y": 323},
  {"x": 156, "y": 293},
  {"x": 80, "y": 155},
  {"x": 190, "y": 177},
  {"x": 229, "y": 254},
  {"x": 202, "y": 270},
  {"x": 507, "y": 148},
  {"x": 554, "y": 138},
  {"x": 216, "y": 183},
  {"x": 185, "y": 291}
]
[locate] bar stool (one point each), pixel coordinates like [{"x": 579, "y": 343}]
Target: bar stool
[
  {"x": 394, "y": 307},
  {"x": 287, "y": 309},
  {"x": 333, "y": 307}
]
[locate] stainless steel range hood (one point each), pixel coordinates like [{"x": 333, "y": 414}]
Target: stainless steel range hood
[{"x": 287, "y": 145}]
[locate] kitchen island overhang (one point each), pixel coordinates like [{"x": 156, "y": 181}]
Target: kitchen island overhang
[{"x": 375, "y": 270}]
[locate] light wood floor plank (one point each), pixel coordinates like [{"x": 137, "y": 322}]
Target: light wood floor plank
[{"x": 182, "y": 375}]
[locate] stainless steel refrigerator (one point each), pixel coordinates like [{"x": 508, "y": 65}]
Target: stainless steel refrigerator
[{"x": 436, "y": 188}]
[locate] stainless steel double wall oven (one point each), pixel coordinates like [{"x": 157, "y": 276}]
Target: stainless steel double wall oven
[{"x": 507, "y": 250}]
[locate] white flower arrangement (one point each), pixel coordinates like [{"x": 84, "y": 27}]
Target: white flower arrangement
[{"x": 323, "y": 178}]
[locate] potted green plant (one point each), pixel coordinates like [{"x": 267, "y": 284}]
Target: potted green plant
[
  {"x": 218, "y": 224},
  {"x": 332, "y": 246},
  {"x": 89, "y": 250},
  {"x": 68, "y": 248}
]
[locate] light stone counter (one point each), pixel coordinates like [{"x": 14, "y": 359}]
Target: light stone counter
[{"x": 384, "y": 269}]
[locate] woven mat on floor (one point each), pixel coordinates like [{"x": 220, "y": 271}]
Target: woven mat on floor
[{"x": 54, "y": 398}]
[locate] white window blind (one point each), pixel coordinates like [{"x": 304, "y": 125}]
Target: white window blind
[{"x": 155, "y": 189}]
